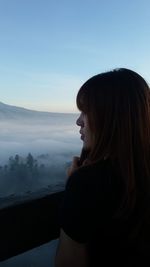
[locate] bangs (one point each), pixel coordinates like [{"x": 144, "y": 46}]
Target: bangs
[{"x": 82, "y": 100}]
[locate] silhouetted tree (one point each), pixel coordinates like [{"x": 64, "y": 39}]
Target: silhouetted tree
[{"x": 30, "y": 161}]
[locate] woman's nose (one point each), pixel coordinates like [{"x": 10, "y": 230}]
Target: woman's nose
[{"x": 79, "y": 121}]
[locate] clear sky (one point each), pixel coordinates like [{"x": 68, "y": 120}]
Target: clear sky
[{"x": 48, "y": 48}]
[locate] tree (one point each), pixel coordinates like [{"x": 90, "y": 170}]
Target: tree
[
  {"x": 17, "y": 159},
  {"x": 30, "y": 161}
]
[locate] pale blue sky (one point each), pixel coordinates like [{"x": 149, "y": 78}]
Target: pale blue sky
[{"x": 48, "y": 48}]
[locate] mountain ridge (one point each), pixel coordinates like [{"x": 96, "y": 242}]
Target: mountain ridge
[{"x": 13, "y": 112}]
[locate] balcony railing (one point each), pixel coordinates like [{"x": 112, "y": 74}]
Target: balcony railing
[{"x": 28, "y": 225}]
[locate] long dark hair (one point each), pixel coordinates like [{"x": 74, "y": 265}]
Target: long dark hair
[{"x": 117, "y": 104}]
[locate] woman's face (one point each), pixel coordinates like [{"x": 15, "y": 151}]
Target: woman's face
[{"x": 85, "y": 132}]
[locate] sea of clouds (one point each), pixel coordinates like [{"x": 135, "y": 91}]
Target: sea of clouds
[{"x": 52, "y": 139}]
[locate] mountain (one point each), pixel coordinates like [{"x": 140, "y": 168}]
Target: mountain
[{"x": 9, "y": 112}]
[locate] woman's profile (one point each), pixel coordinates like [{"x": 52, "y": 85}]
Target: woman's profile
[{"x": 105, "y": 214}]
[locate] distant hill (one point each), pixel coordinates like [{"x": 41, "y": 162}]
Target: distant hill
[{"x": 9, "y": 112}]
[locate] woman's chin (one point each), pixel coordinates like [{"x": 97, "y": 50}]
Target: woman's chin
[{"x": 85, "y": 146}]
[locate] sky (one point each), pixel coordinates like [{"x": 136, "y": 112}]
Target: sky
[{"x": 49, "y": 48}]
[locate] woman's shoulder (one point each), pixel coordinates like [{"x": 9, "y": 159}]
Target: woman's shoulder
[{"x": 94, "y": 188}]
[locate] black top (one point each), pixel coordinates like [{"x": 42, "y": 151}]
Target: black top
[{"x": 92, "y": 198}]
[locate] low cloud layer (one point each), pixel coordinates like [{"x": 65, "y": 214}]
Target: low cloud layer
[{"x": 56, "y": 136}]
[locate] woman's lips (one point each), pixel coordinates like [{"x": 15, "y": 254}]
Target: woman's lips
[{"x": 82, "y": 135}]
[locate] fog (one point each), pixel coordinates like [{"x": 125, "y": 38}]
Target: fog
[
  {"x": 50, "y": 135},
  {"x": 52, "y": 140}
]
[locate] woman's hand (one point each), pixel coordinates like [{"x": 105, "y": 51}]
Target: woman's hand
[{"x": 74, "y": 166}]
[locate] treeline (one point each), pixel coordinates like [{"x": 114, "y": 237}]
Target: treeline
[{"x": 28, "y": 167}]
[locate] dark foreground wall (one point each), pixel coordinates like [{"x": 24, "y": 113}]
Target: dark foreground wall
[{"x": 28, "y": 225}]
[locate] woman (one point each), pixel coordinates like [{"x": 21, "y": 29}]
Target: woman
[{"x": 105, "y": 215}]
